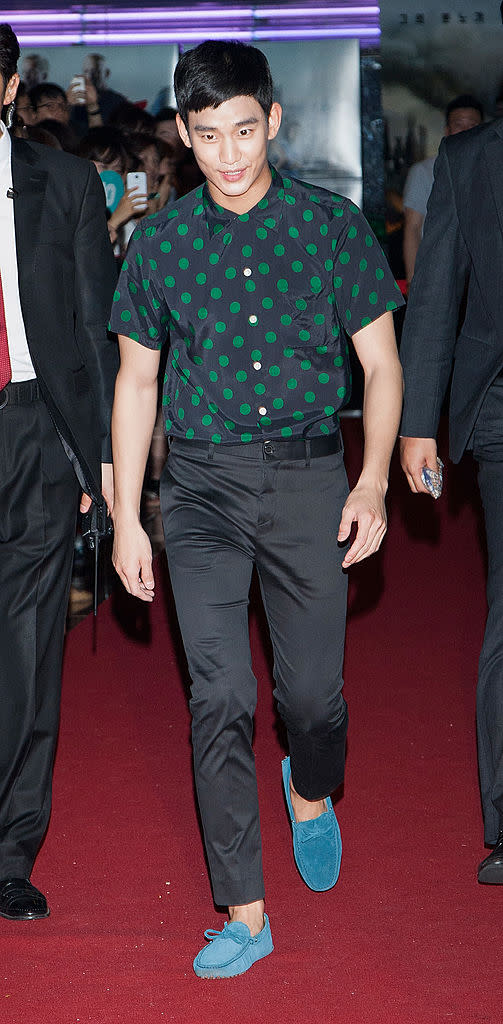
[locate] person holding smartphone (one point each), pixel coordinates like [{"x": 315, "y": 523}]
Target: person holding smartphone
[
  {"x": 452, "y": 338},
  {"x": 92, "y": 102}
]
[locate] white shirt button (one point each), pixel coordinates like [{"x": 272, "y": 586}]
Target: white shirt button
[
  {"x": 257, "y": 365},
  {"x": 247, "y": 272},
  {"x": 253, "y": 319},
  {"x": 262, "y": 410}
]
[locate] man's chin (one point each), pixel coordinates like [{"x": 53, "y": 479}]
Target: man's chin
[{"x": 234, "y": 186}]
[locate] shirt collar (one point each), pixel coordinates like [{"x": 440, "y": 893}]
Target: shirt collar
[
  {"x": 5, "y": 151},
  {"x": 266, "y": 214}
]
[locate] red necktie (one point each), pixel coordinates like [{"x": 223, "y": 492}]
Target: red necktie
[{"x": 5, "y": 367}]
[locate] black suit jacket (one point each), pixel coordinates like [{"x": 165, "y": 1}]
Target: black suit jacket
[
  {"x": 461, "y": 254},
  {"x": 66, "y": 281}
]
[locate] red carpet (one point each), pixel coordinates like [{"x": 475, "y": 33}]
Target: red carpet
[{"x": 407, "y": 935}]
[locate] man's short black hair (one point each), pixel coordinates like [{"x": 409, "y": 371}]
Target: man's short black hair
[
  {"x": 46, "y": 91},
  {"x": 9, "y": 53},
  {"x": 217, "y": 71},
  {"x": 462, "y": 103}
]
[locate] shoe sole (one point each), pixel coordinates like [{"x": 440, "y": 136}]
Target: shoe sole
[
  {"x": 24, "y": 917},
  {"x": 490, "y": 876},
  {"x": 208, "y": 973}
]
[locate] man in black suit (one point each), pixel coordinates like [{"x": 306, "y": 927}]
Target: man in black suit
[
  {"x": 57, "y": 373},
  {"x": 460, "y": 261}
]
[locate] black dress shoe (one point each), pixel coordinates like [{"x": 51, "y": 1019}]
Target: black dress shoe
[
  {"x": 491, "y": 869},
  {"x": 20, "y": 901}
]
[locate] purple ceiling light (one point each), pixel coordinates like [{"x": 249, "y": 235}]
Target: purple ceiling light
[{"x": 101, "y": 25}]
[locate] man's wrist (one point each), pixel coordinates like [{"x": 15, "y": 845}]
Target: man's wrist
[
  {"x": 376, "y": 480},
  {"x": 93, "y": 112}
]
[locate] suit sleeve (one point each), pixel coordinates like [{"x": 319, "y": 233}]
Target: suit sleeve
[
  {"x": 431, "y": 321},
  {"x": 95, "y": 279}
]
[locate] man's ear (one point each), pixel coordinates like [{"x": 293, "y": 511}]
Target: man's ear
[
  {"x": 11, "y": 90},
  {"x": 182, "y": 131},
  {"x": 274, "y": 121}
]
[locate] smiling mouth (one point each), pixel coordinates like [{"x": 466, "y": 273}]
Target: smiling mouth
[{"x": 233, "y": 175}]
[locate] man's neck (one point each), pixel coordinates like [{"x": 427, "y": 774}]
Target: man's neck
[{"x": 246, "y": 202}]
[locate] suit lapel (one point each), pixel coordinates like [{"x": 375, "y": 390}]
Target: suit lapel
[
  {"x": 494, "y": 161},
  {"x": 30, "y": 182},
  {"x": 483, "y": 221}
]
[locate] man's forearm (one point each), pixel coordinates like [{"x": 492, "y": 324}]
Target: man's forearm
[
  {"x": 133, "y": 419},
  {"x": 381, "y": 418}
]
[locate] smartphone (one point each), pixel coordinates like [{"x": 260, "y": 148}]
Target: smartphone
[
  {"x": 79, "y": 85},
  {"x": 432, "y": 480},
  {"x": 137, "y": 180}
]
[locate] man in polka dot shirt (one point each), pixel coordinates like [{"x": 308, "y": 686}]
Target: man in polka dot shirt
[{"x": 255, "y": 282}]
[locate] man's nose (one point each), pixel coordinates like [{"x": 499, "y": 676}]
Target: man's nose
[{"x": 229, "y": 151}]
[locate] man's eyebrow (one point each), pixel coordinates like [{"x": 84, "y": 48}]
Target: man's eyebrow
[{"x": 236, "y": 124}]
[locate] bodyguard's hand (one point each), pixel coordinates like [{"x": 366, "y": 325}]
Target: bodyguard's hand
[
  {"x": 85, "y": 502},
  {"x": 107, "y": 489},
  {"x": 132, "y": 559},
  {"x": 415, "y": 454},
  {"x": 364, "y": 506}
]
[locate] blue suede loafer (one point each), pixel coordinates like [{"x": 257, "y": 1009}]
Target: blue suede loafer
[
  {"x": 317, "y": 845},
  {"x": 233, "y": 950}
]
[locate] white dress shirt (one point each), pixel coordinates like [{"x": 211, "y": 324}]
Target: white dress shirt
[{"x": 20, "y": 361}]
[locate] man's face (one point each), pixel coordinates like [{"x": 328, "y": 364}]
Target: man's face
[
  {"x": 168, "y": 132},
  {"x": 150, "y": 164},
  {"x": 54, "y": 107},
  {"x": 8, "y": 90},
  {"x": 33, "y": 72},
  {"x": 462, "y": 119},
  {"x": 25, "y": 110},
  {"x": 230, "y": 146},
  {"x": 94, "y": 69}
]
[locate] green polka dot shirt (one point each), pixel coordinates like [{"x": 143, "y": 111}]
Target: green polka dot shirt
[{"x": 257, "y": 309}]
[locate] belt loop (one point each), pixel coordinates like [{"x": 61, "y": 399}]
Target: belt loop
[
  {"x": 211, "y": 451},
  {"x": 308, "y": 451}
]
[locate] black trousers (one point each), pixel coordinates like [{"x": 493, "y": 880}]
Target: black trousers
[
  {"x": 488, "y": 450},
  {"x": 38, "y": 506},
  {"x": 224, "y": 512}
]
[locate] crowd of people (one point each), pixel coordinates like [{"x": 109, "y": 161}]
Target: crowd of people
[
  {"x": 93, "y": 121},
  {"x": 90, "y": 120}
]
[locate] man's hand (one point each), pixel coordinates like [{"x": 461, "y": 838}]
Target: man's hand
[
  {"x": 132, "y": 559},
  {"x": 415, "y": 454},
  {"x": 364, "y": 506},
  {"x": 107, "y": 489}
]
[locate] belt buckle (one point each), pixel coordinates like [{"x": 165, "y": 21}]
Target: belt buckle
[{"x": 4, "y": 397}]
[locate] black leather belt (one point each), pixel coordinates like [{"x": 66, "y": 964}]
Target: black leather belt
[
  {"x": 19, "y": 393},
  {"x": 300, "y": 448}
]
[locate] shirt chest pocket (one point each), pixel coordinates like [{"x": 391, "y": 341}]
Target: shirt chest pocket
[{"x": 311, "y": 320}]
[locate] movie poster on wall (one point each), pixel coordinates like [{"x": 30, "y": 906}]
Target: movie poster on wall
[
  {"x": 317, "y": 83},
  {"x": 431, "y": 52}
]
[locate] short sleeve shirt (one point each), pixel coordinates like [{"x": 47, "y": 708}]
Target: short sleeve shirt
[
  {"x": 257, "y": 309},
  {"x": 418, "y": 185}
]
